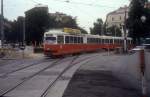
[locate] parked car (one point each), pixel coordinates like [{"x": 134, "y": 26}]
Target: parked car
[{"x": 146, "y": 43}]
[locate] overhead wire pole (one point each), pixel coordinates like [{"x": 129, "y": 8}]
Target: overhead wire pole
[
  {"x": 24, "y": 36},
  {"x": 125, "y": 32},
  {"x": 2, "y": 24}
]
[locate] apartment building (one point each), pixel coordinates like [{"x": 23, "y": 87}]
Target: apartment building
[{"x": 117, "y": 17}]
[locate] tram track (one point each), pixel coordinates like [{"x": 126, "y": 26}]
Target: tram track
[
  {"x": 48, "y": 67},
  {"x": 28, "y": 78},
  {"x": 22, "y": 68},
  {"x": 44, "y": 94},
  {"x": 31, "y": 76}
]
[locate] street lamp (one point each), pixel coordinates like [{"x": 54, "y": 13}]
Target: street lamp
[
  {"x": 144, "y": 90},
  {"x": 143, "y": 18}
]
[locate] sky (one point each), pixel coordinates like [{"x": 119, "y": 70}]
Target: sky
[{"x": 86, "y": 11}]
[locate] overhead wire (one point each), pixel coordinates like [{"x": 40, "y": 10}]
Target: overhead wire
[
  {"x": 35, "y": 2},
  {"x": 86, "y": 4}
]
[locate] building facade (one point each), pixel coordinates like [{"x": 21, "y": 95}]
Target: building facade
[{"x": 117, "y": 17}]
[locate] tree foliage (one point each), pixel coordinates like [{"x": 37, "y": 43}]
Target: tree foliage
[
  {"x": 98, "y": 27},
  {"x": 137, "y": 28},
  {"x": 113, "y": 31},
  {"x": 37, "y": 22},
  {"x": 83, "y": 31}
]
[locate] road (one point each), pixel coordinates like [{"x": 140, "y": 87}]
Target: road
[
  {"x": 35, "y": 78},
  {"x": 117, "y": 75},
  {"x": 107, "y": 76}
]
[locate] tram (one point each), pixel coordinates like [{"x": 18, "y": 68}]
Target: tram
[{"x": 71, "y": 41}]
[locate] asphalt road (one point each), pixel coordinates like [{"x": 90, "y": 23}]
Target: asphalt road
[
  {"x": 33, "y": 78},
  {"x": 99, "y": 84},
  {"x": 102, "y": 76},
  {"x": 107, "y": 76}
]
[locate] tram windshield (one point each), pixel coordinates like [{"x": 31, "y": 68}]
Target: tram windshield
[{"x": 50, "y": 40}]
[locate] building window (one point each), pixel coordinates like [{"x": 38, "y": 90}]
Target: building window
[
  {"x": 112, "y": 19},
  {"x": 120, "y": 17}
]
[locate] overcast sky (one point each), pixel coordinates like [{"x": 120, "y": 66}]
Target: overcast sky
[{"x": 86, "y": 11}]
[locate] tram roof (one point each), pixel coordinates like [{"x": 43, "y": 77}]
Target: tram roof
[{"x": 57, "y": 32}]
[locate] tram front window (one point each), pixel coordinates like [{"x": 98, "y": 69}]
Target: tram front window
[{"x": 50, "y": 40}]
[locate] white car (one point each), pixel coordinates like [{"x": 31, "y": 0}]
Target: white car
[{"x": 137, "y": 48}]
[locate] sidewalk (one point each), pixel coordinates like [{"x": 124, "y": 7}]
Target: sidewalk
[
  {"x": 98, "y": 84},
  {"x": 99, "y": 79}
]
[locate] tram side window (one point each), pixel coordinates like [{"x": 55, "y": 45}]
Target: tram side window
[
  {"x": 128, "y": 42},
  {"x": 99, "y": 41},
  {"x": 81, "y": 39},
  {"x": 71, "y": 39},
  {"x": 60, "y": 39},
  {"x": 78, "y": 40},
  {"x": 116, "y": 41},
  {"x": 122, "y": 41},
  {"x": 102, "y": 41},
  {"x": 67, "y": 39},
  {"x": 75, "y": 40},
  {"x": 107, "y": 41},
  {"x": 96, "y": 40},
  {"x": 88, "y": 40},
  {"x": 119, "y": 41},
  {"x": 111, "y": 41},
  {"x": 92, "y": 40}
]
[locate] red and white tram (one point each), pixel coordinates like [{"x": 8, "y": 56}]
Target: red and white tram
[{"x": 59, "y": 42}]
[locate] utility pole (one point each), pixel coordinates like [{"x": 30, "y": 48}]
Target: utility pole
[
  {"x": 125, "y": 33},
  {"x": 24, "y": 32},
  {"x": 23, "y": 39},
  {"x": 115, "y": 32},
  {"x": 102, "y": 30},
  {"x": 2, "y": 24}
]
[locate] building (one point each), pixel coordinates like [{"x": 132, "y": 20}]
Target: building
[
  {"x": 147, "y": 5},
  {"x": 117, "y": 17}
]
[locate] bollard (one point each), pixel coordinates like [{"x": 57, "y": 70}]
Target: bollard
[
  {"x": 142, "y": 68},
  {"x": 142, "y": 61}
]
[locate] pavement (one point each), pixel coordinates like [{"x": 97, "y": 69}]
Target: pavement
[
  {"x": 99, "y": 84},
  {"x": 107, "y": 76}
]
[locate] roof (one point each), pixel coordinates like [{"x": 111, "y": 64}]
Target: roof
[{"x": 120, "y": 10}]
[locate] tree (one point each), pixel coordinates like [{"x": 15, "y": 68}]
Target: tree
[
  {"x": 62, "y": 20},
  {"x": 7, "y": 29},
  {"x": 83, "y": 31},
  {"x": 37, "y": 22},
  {"x": 136, "y": 27},
  {"x": 113, "y": 31},
  {"x": 98, "y": 27},
  {"x": 17, "y": 30}
]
